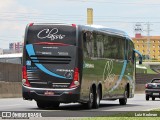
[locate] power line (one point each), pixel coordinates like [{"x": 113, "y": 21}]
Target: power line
[{"x": 123, "y": 3}]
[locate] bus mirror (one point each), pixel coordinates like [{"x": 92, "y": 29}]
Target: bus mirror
[
  {"x": 140, "y": 59},
  {"x": 140, "y": 56},
  {"x": 140, "y": 62}
]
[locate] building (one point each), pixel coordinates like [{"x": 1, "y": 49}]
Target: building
[
  {"x": 149, "y": 47},
  {"x": 1, "y": 51},
  {"x": 17, "y": 47}
]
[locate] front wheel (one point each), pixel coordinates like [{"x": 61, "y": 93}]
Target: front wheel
[{"x": 123, "y": 101}]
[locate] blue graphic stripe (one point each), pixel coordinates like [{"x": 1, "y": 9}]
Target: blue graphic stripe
[
  {"x": 41, "y": 67},
  {"x": 129, "y": 78},
  {"x": 123, "y": 70},
  {"x": 35, "y": 60},
  {"x": 121, "y": 76},
  {"x": 30, "y": 51}
]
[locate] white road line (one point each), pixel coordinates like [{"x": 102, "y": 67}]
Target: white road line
[
  {"x": 152, "y": 109},
  {"x": 4, "y": 106}
]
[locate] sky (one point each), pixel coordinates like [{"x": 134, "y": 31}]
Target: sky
[{"x": 117, "y": 14}]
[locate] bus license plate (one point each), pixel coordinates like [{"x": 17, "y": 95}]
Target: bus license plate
[{"x": 48, "y": 93}]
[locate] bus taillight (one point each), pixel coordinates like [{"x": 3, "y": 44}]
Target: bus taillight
[
  {"x": 31, "y": 24},
  {"x": 73, "y": 25},
  {"x": 75, "y": 81},
  {"x": 25, "y": 81}
]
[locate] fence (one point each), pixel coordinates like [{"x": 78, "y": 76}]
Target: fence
[{"x": 145, "y": 78}]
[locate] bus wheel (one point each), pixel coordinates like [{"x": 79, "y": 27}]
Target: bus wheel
[
  {"x": 153, "y": 98},
  {"x": 147, "y": 97},
  {"x": 55, "y": 104},
  {"x": 91, "y": 98},
  {"x": 41, "y": 104},
  {"x": 123, "y": 101},
  {"x": 96, "y": 100}
]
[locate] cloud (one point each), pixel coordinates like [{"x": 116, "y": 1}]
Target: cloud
[{"x": 6, "y": 4}]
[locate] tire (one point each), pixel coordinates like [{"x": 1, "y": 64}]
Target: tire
[
  {"x": 89, "y": 104},
  {"x": 96, "y": 100},
  {"x": 147, "y": 97},
  {"x": 123, "y": 101},
  {"x": 153, "y": 98},
  {"x": 41, "y": 104},
  {"x": 55, "y": 104}
]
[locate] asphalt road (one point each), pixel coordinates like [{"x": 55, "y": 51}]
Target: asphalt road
[{"x": 138, "y": 103}]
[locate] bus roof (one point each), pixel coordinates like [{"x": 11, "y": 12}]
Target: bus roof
[
  {"x": 108, "y": 30},
  {"x": 14, "y": 55}
]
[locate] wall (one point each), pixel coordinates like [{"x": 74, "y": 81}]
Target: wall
[
  {"x": 10, "y": 80},
  {"x": 10, "y": 89}
]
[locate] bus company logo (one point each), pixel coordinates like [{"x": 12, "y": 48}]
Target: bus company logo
[
  {"x": 50, "y": 33},
  {"x": 20, "y": 115},
  {"x": 107, "y": 73}
]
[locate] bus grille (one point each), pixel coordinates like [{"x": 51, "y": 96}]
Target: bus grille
[{"x": 51, "y": 59}]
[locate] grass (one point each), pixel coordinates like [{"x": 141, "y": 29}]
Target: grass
[
  {"x": 150, "y": 71},
  {"x": 122, "y": 118},
  {"x": 127, "y": 116},
  {"x": 147, "y": 71}
]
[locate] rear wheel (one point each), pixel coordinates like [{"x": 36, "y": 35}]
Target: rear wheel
[
  {"x": 55, "y": 104},
  {"x": 96, "y": 100},
  {"x": 147, "y": 97},
  {"x": 123, "y": 101},
  {"x": 89, "y": 104},
  {"x": 41, "y": 104},
  {"x": 47, "y": 104},
  {"x": 153, "y": 98}
]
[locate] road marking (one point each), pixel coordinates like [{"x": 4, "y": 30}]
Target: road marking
[
  {"x": 152, "y": 109},
  {"x": 3, "y": 106}
]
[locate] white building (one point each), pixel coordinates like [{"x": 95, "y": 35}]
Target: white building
[{"x": 1, "y": 51}]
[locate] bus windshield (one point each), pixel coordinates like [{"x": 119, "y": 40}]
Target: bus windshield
[{"x": 65, "y": 34}]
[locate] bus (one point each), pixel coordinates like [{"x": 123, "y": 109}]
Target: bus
[
  {"x": 15, "y": 58},
  {"x": 65, "y": 63}
]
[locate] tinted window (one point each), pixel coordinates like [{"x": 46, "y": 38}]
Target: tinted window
[
  {"x": 109, "y": 46},
  {"x": 156, "y": 81},
  {"x": 52, "y": 33},
  {"x": 101, "y": 45}
]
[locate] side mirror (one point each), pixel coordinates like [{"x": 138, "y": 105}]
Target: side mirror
[
  {"x": 140, "y": 56},
  {"x": 140, "y": 62}
]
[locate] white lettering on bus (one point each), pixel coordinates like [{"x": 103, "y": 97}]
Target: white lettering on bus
[{"x": 52, "y": 34}]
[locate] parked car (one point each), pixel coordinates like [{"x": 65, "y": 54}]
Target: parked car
[{"x": 153, "y": 89}]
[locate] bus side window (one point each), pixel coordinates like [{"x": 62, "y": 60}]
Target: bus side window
[
  {"x": 131, "y": 53},
  {"x": 88, "y": 44},
  {"x": 84, "y": 44}
]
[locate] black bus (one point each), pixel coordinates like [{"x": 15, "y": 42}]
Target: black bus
[{"x": 64, "y": 63}]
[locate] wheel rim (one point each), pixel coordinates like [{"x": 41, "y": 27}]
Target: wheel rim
[
  {"x": 125, "y": 96},
  {"x": 91, "y": 97},
  {"x": 98, "y": 99}
]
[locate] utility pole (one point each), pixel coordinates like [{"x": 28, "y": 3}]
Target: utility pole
[
  {"x": 148, "y": 38},
  {"x": 89, "y": 16}
]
